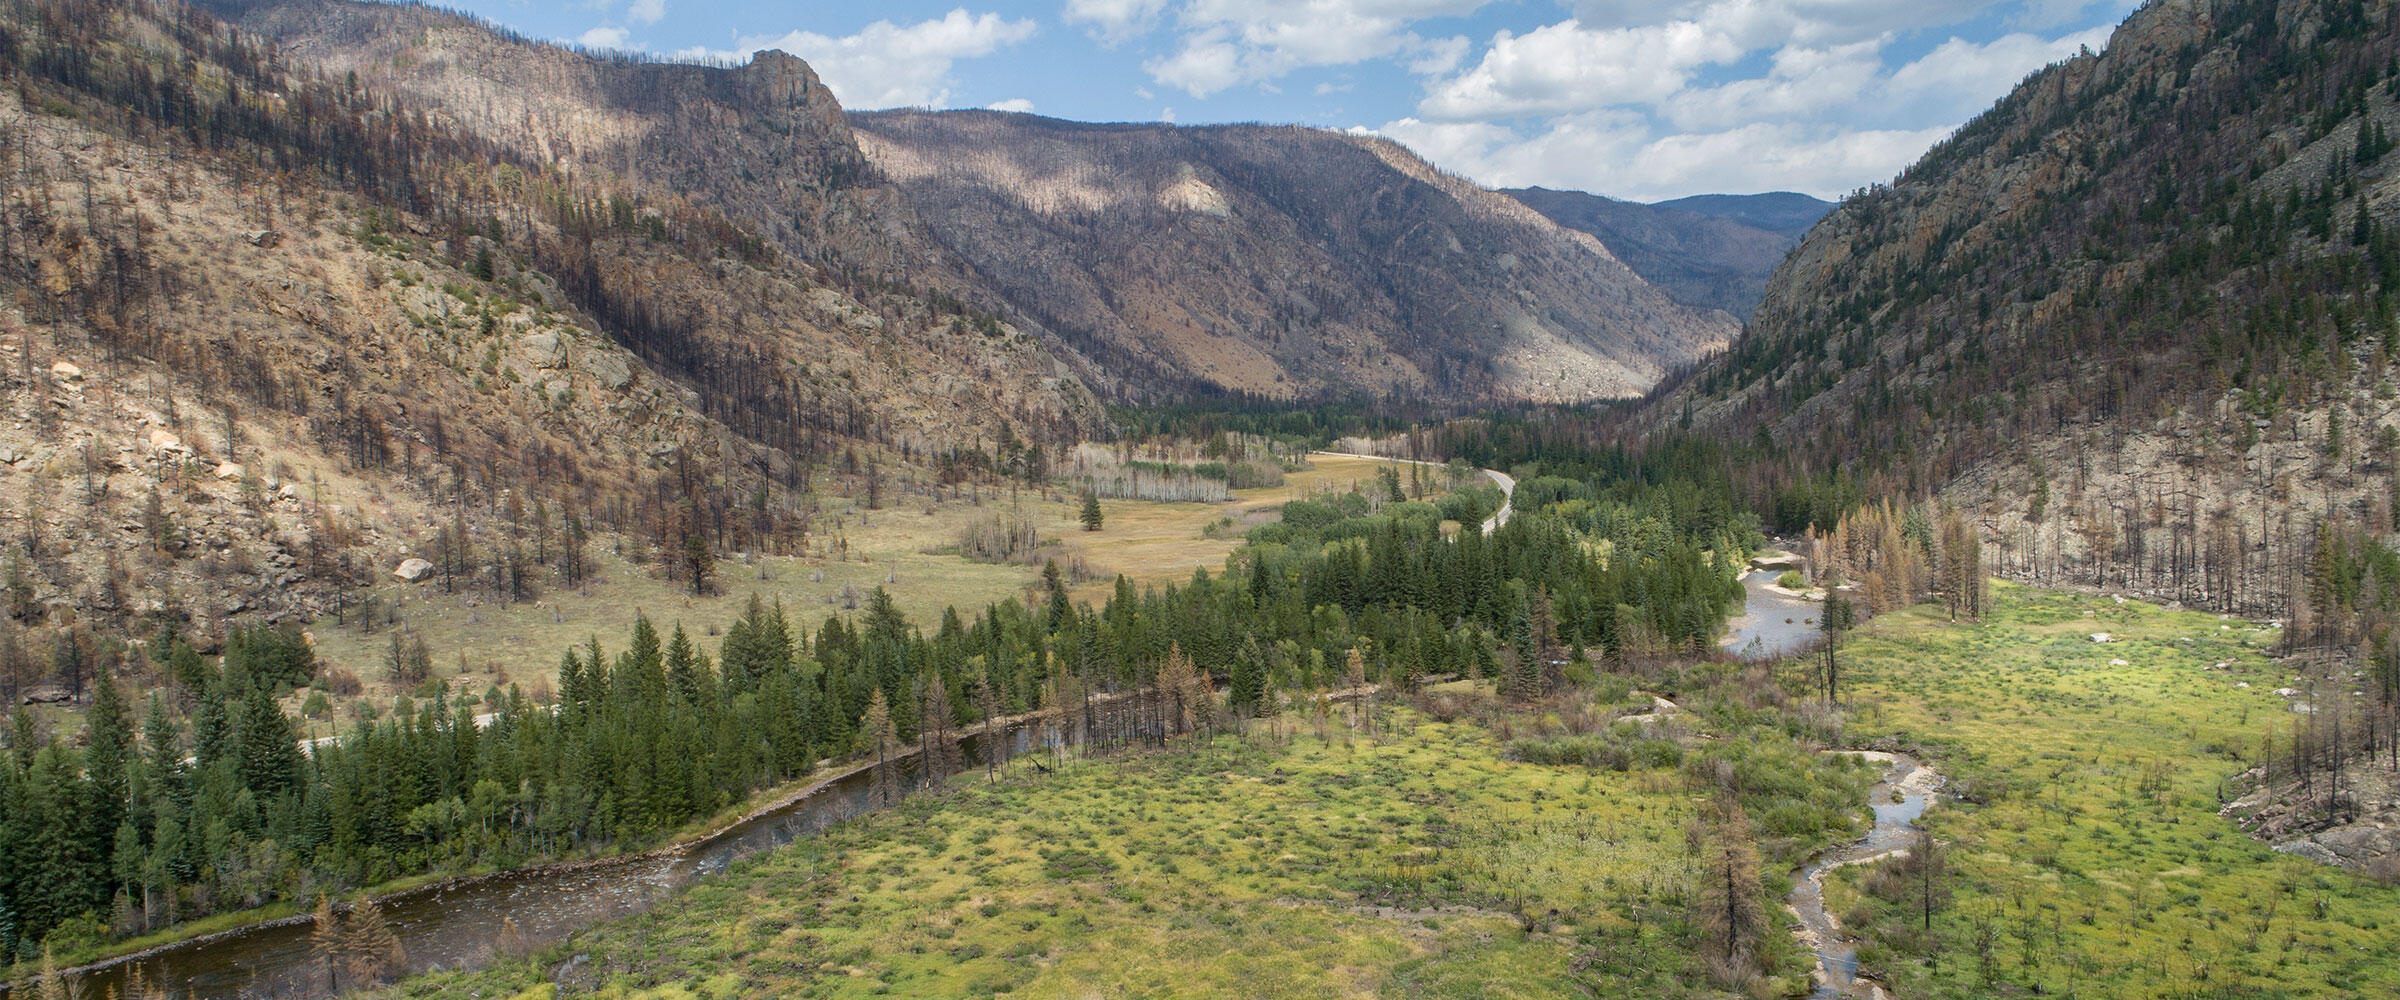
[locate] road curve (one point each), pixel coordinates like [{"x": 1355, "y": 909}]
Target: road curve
[{"x": 1507, "y": 483}]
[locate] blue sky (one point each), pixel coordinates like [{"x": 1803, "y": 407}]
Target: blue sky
[{"x": 1642, "y": 100}]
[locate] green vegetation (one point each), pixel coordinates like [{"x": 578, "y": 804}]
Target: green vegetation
[
  {"x": 1791, "y": 580},
  {"x": 1391, "y": 855},
  {"x": 2088, "y": 858}
]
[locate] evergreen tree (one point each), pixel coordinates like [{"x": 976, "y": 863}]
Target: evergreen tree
[
  {"x": 1091, "y": 515},
  {"x": 1731, "y": 909},
  {"x": 370, "y": 949},
  {"x": 882, "y": 744}
]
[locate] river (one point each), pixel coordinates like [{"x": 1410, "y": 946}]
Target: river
[
  {"x": 1894, "y": 829},
  {"x": 459, "y": 923},
  {"x": 1772, "y": 623}
]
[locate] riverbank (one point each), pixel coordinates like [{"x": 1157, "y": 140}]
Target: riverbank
[
  {"x": 280, "y": 919},
  {"x": 2086, "y": 853}
]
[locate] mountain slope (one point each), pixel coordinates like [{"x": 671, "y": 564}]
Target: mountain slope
[
  {"x": 1280, "y": 261},
  {"x": 2139, "y": 311},
  {"x": 1708, "y": 251},
  {"x": 272, "y": 328}
]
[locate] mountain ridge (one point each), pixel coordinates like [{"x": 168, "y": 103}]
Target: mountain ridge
[{"x": 1708, "y": 251}]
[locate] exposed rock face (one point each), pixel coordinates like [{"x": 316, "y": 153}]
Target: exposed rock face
[
  {"x": 412, "y": 570},
  {"x": 1709, "y": 251},
  {"x": 1280, "y": 261}
]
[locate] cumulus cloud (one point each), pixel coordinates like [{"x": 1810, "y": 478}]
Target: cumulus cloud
[
  {"x": 886, "y": 65},
  {"x": 646, "y": 11},
  {"x": 1568, "y": 67},
  {"x": 1226, "y": 43},
  {"x": 1960, "y": 78},
  {"x": 1658, "y": 99},
  {"x": 1114, "y": 21},
  {"x": 1621, "y": 154},
  {"x": 603, "y": 37},
  {"x": 1016, "y": 104}
]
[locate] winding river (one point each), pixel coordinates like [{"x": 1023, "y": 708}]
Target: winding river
[
  {"x": 1774, "y": 623},
  {"x": 1895, "y": 822}
]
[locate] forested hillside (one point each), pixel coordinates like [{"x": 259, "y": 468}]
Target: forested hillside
[{"x": 2138, "y": 316}]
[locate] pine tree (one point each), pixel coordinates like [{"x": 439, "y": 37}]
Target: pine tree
[
  {"x": 107, "y": 759},
  {"x": 883, "y": 744},
  {"x": 325, "y": 936},
  {"x": 1731, "y": 913},
  {"x": 940, "y": 753},
  {"x": 372, "y": 950},
  {"x": 1833, "y": 620},
  {"x": 1091, "y": 515}
]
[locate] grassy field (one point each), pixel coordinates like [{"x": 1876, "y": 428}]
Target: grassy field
[
  {"x": 1406, "y": 864},
  {"x": 477, "y": 642},
  {"x": 2090, "y": 860},
  {"x": 1155, "y": 544}
]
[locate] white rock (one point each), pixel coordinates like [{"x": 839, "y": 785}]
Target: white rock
[
  {"x": 161, "y": 440},
  {"x": 229, "y": 470},
  {"x": 68, "y": 371},
  {"x": 413, "y": 570},
  {"x": 2119, "y": 663},
  {"x": 2103, "y": 637}
]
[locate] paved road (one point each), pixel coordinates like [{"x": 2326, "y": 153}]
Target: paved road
[{"x": 1508, "y": 484}]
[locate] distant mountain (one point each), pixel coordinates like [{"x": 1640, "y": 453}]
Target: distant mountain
[
  {"x": 1711, "y": 251},
  {"x": 2143, "y": 306},
  {"x": 1280, "y": 261},
  {"x": 1787, "y": 212}
]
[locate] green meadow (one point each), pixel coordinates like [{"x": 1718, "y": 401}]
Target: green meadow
[
  {"x": 1409, "y": 861},
  {"x": 2088, "y": 858},
  {"x": 1423, "y": 856}
]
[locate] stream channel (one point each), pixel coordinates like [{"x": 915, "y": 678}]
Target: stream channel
[
  {"x": 1774, "y": 623},
  {"x": 456, "y": 923}
]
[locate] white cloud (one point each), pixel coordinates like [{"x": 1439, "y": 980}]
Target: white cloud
[
  {"x": 603, "y": 37},
  {"x": 1659, "y": 98},
  {"x": 1566, "y": 67},
  {"x": 1802, "y": 82},
  {"x": 1114, "y": 21},
  {"x": 1770, "y": 23},
  {"x": 1226, "y": 43},
  {"x": 1620, "y": 154},
  {"x": 1960, "y": 78},
  {"x": 1016, "y": 104},
  {"x": 1167, "y": 115},
  {"x": 646, "y": 11},
  {"x": 886, "y": 65}
]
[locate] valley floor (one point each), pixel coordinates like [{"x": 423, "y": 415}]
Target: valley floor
[{"x": 2086, "y": 857}]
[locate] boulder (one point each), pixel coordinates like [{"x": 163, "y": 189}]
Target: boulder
[
  {"x": 162, "y": 440},
  {"x": 229, "y": 471},
  {"x": 413, "y": 570},
  {"x": 67, "y": 371},
  {"x": 48, "y": 695},
  {"x": 544, "y": 350},
  {"x": 609, "y": 369}
]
